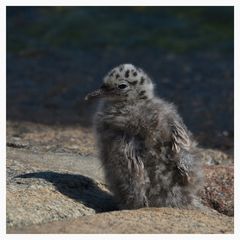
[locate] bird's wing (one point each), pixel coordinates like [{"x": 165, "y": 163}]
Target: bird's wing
[
  {"x": 184, "y": 169},
  {"x": 179, "y": 136},
  {"x": 181, "y": 144}
]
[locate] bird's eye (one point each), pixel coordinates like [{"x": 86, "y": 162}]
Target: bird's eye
[{"x": 122, "y": 86}]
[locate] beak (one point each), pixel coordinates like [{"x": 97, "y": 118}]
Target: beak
[
  {"x": 103, "y": 91},
  {"x": 95, "y": 94}
]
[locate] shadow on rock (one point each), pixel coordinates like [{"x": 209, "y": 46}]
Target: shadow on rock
[{"x": 78, "y": 187}]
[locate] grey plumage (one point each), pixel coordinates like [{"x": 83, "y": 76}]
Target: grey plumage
[{"x": 148, "y": 154}]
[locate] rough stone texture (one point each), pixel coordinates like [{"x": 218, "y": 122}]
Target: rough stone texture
[
  {"x": 218, "y": 191},
  {"x": 27, "y": 160},
  {"x": 215, "y": 157},
  {"x": 45, "y": 187},
  {"x": 38, "y": 205},
  {"x": 47, "y": 138},
  {"x": 155, "y": 220}
]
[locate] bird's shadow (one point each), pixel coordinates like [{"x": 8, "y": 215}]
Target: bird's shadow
[{"x": 79, "y": 188}]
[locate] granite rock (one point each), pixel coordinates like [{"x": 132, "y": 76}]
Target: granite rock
[
  {"x": 48, "y": 187},
  {"x": 218, "y": 191},
  {"x": 154, "y": 220},
  {"x": 215, "y": 157}
]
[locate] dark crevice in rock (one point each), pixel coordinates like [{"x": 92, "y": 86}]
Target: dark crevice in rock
[{"x": 17, "y": 145}]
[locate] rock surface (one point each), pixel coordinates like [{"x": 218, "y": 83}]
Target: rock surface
[
  {"x": 47, "y": 138},
  {"x": 43, "y": 187},
  {"x": 154, "y": 220},
  {"x": 218, "y": 191},
  {"x": 215, "y": 157}
]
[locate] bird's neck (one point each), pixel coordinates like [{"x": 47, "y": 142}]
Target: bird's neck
[
  {"x": 115, "y": 104},
  {"x": 124, "y": 104}
]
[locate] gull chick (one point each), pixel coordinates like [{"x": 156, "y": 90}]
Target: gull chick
[{"x": 149, "y": 156}]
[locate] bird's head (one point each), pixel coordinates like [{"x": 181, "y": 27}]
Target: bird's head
[{"x": 124, "y": 83}]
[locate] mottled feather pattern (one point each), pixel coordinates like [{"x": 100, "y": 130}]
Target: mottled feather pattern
[
  {"x": 180, "y": 137},
  {"x": 148, "y": 154}
]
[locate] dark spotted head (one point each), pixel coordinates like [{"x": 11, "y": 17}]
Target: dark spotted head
[{"x": 125, "y": 83}]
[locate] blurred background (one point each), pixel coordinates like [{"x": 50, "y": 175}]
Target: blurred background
[{"x": 55, "y": 55}]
